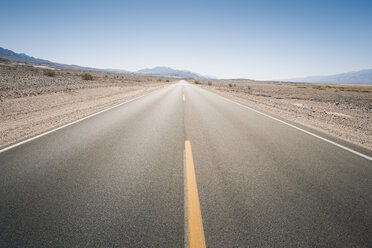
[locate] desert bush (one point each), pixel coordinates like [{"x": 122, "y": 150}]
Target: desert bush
[
  {"x": 167, "y": 81},
  {"x": 49, "y": 73},
  {"x": 318, "y": 87},
  {"x": 209, "y": 83},
  {"x": 86, "y": 76},
  {"x": 230, "y": 85},
  {"x": 196, "y": 82}
]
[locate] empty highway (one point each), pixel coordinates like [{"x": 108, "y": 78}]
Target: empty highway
[{"x": 122, "y": 178}]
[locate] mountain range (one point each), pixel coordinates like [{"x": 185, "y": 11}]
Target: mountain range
[
  {"x": 162, "y": 70},
  {"x": 156, "y": 71},
  {"x": 9, "y": 55},
  {"x": 355, "y": 77}
]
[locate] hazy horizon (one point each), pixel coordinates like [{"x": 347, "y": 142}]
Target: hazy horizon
[{"x": 236, "y": 39}]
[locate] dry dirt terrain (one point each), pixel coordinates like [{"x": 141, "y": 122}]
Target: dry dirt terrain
[
  {"x": 342, "y": 111},
  {"x": 34, "y": 100}
]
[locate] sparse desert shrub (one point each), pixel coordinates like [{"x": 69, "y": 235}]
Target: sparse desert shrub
[
  {"x": 318, "y": 87},
  {"x": 86, "y": 76},
  {"x": 159, "y": 80},
  {"x": 196, "y": 82},
  {"x": 167, "y": 81},
  {"x": 49, "y": 73},
  {"x": 230, "y": 85},
  {"x": 209, "y": 83}
]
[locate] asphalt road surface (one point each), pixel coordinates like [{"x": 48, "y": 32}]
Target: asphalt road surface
[{"x": 117, "y": 180}]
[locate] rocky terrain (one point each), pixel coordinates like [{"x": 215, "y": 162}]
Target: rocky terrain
[
  {"x": 34, "y": 99},
  {"x": 342, "y": 111}
]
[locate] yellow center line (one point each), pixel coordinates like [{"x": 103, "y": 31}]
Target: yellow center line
[{"x": 194, "y": 223}]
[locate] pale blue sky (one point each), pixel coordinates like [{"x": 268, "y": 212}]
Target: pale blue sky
[{"x": 228, "y": 39}]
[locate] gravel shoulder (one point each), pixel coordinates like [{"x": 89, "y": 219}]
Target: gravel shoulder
[
  {"x": 344, "y": 112},
  {"x": 32, "y": 103}
]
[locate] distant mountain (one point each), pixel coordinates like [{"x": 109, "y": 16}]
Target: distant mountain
[
  {"x": 169, "y": 72},
  {"x": 116, "y": 70},
  {"x": 23, "y": 58},
  {"x": 8, "y": 55},
  {"x": 20, "y": 57},
  {"x": 356, "y": 77}
]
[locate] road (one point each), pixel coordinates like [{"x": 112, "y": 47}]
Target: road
[{"x": 117, "y": 179}]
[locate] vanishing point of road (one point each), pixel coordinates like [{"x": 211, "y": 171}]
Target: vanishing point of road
[{"x": 180, "y": 167}]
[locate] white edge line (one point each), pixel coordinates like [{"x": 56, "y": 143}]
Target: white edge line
[
  {"x": 300, "y": 129},
  {"x": 79, "y": 120}
]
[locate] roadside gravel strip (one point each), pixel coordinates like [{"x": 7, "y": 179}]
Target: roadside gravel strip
[{"x": 22, "y": 118}]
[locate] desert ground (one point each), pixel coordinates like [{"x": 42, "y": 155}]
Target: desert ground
[
  {"x": 36, "y": 99},
  {"x": 342, "y": 111}
]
